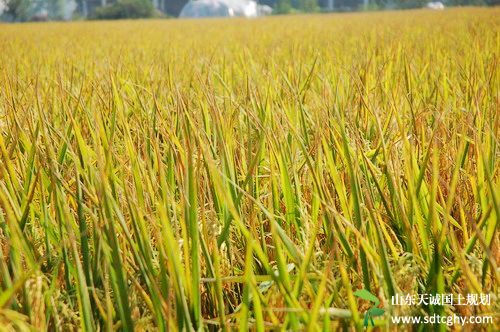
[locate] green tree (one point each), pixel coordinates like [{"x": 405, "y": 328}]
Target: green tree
[
  {"x": 308, "y": 6},
  {"x": 18, "y": 10},
  {"x": 412, "y": 3},
  {"x": 125, "y": 9},
  {"x": 283, "y": 7},
  {"x": 55, "y": 9}
]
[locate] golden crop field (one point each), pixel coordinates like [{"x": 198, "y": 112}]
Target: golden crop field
[{"x": 226, "y": 174}]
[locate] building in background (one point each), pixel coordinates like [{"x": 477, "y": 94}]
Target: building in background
[
  {"x": 174, "y": 7},
  {"x": 224, "y": 8}
]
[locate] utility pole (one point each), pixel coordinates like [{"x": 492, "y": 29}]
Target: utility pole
[
  {"x": 331, "y": 5},
  {"x": 85, "y": 9}
]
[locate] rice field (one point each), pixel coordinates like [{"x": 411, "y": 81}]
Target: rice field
[{"x": 248, "y": 174}]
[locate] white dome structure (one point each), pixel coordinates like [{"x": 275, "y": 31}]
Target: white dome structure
[
  {"x": 437, "y": 5},
  {"x": 219, "y": 8}
]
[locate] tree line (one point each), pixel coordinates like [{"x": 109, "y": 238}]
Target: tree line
[{"x": 37, "y": 10}]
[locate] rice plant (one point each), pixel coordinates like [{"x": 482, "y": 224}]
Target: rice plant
[{"x": 248, "y": 174}]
